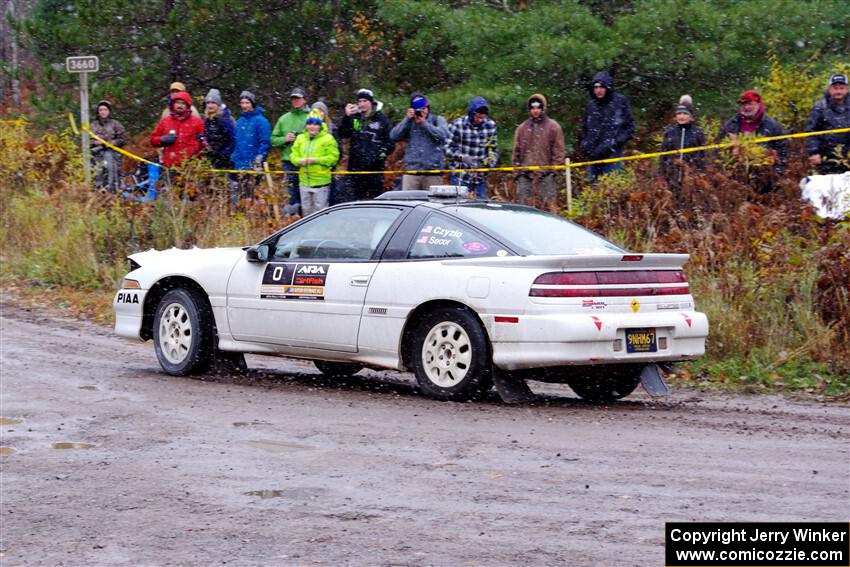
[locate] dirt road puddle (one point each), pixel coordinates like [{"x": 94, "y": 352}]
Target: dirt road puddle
[
  {"x": 87, "y": 387},
  {"x": 300, "y": 493},
  {"x": 73, "y": 446},
  {"x": 8, "y": 421},
  {"x": 277, "y": 446},
  {"x": 6, "y": 450}
]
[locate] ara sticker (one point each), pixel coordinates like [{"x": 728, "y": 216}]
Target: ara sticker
[
  {"x": 476, "y": 247},
  {"x": 294, "y": 281}
]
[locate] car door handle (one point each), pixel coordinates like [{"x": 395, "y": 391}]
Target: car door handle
[{"x": 360, "y": 281}]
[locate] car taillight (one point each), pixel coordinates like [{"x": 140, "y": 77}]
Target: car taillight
[{"x": 610, "y": 284}]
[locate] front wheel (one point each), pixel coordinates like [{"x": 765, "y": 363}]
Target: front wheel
[
  {"x": 182, "y": 332},
  {"x": 451, "y": 357},
  {"x": 605, "y": 383}
]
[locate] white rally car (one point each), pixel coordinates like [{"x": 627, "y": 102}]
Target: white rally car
[{"x": 463, "y": 293}]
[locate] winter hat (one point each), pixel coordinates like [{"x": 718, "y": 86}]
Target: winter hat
[
  {"x": 418, "y": 102},
  {"x": 177, "y": 86},
  {"x": 366, "y": 94},
  {"x": 298, "y": 92},
  {"x": 182, "y": 95},
  {"x": 313, "y": 120},
  {"x": 320, "y": 107},
  {"x": 213, "y": 96},
  {"x": 541, "y": 102},
  {"x": 749, "y": 96},
  {"x": 248, "y": 95},
  {"x": 686, "y": 105},
  {"x": 106, "y": 104},
  {"x": 838, "y": 79}
]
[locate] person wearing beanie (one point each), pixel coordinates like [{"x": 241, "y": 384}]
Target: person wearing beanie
[
  {"x": 830, "y": 112},
  {"x": 368, "y": 129},
  {"x": 473, "y": 144},
  {"x": 181, "y": 133},
  {"x": 539, "y": 140},
  {"x": 219, "y": 131},
  {"x": 751, "y": 120},
  {"x": 285, "y": 130},
  {"x": 426, "y": 135},
  {"x": 684, "y": 134},
  {"x": 253, "y": 141},
  {"x": 607, "y": 127},
  {"x": 315, "y": 152},
  {"x": 107, "y": 161}
]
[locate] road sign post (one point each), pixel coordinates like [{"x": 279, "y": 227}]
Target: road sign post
[{"x": 84, "y": 65}]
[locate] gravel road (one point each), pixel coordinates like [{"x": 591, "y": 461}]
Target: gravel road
[{"x": 108, "y": 461}]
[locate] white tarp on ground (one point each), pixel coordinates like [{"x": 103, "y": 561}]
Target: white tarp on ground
[{"x": 830, "y": 194}]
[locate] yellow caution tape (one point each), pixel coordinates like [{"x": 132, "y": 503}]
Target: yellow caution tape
[{"x": 560, "y": 167}]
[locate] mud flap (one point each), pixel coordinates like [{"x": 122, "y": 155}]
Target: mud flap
[
  {"x": 512, "y": 389},
  {"x": 653, "y": 382}
]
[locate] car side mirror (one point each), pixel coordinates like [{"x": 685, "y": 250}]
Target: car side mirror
[{"x": 257, "y": 253}]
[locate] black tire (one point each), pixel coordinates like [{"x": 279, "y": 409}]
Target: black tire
[
  {"x": 605, "y": 383},
  {"x": 451, "y": 355},
  {"x": 337, "y": 369},
  {"x": 182, "y": 333}
]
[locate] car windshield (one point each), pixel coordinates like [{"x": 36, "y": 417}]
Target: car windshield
[{"x": 537, "y": 232}]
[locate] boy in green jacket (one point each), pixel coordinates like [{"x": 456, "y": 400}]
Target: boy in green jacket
[
  {"x": 285, "y": 130},
  {"x": 315, "y": 152}
]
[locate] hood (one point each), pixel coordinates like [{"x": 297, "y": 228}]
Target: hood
[
  {"x": 539, "y": 97},
  {"x": 257, "y": 111},
  {"x": 475, "y": 104},
  {"x": 182, "y": 95},
  {"x": 604, "y": 78},
  {"x": 377, "y": 106}
]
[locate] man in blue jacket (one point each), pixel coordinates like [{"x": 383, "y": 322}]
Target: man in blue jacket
[
  {"x": 253, "y": 141},
  {"x": 425, "y": 134},
  {"x": 608, "y": 125}
]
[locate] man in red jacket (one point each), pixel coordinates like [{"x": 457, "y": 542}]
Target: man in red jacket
[{"x": 181, "y": 133}]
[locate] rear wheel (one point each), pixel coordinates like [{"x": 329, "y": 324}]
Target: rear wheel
[
  {"x": 182, "y": 332},
  {"x": 451, "y": 358},
  {"x": 605, "y": 383},
  {"x": 338, "y": 369}
]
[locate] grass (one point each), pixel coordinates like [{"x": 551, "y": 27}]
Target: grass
[{"x": 772, "y": 279}]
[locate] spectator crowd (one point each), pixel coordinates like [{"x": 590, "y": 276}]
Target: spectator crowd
[{"x": 309, "y": 142}]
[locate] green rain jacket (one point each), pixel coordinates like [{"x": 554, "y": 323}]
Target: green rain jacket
[
  {"x": 324, "y": 148},
  {"x": 292, "y": 121}
]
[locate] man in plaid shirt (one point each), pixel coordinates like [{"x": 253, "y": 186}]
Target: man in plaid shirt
[{"x": 472, "y": 144}]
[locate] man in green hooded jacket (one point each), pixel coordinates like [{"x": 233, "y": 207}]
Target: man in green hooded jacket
[{"x": 283, "y": 136}]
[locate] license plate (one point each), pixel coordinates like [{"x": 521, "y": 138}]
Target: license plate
[{"x": 641, "y": 340}]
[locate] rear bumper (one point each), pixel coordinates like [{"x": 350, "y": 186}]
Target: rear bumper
[{"x": 599, "y": 339}]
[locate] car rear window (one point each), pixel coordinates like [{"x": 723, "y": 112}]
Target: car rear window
[{"x": 535, "y": 231}]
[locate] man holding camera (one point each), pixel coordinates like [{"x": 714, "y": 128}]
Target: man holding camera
[
  {"x": 426, "y": 135},
  {"x": 285, "y": 131},
  {"x": 369, "y": 131}
]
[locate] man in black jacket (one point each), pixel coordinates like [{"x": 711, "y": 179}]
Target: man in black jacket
[
  {"x": 830, "y": 113},
  {"x": 369, "y": 131},
  {"x": 608, "y": 125}
]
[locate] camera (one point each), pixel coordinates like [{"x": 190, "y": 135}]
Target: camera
[{"x": 418, "y": 113}]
